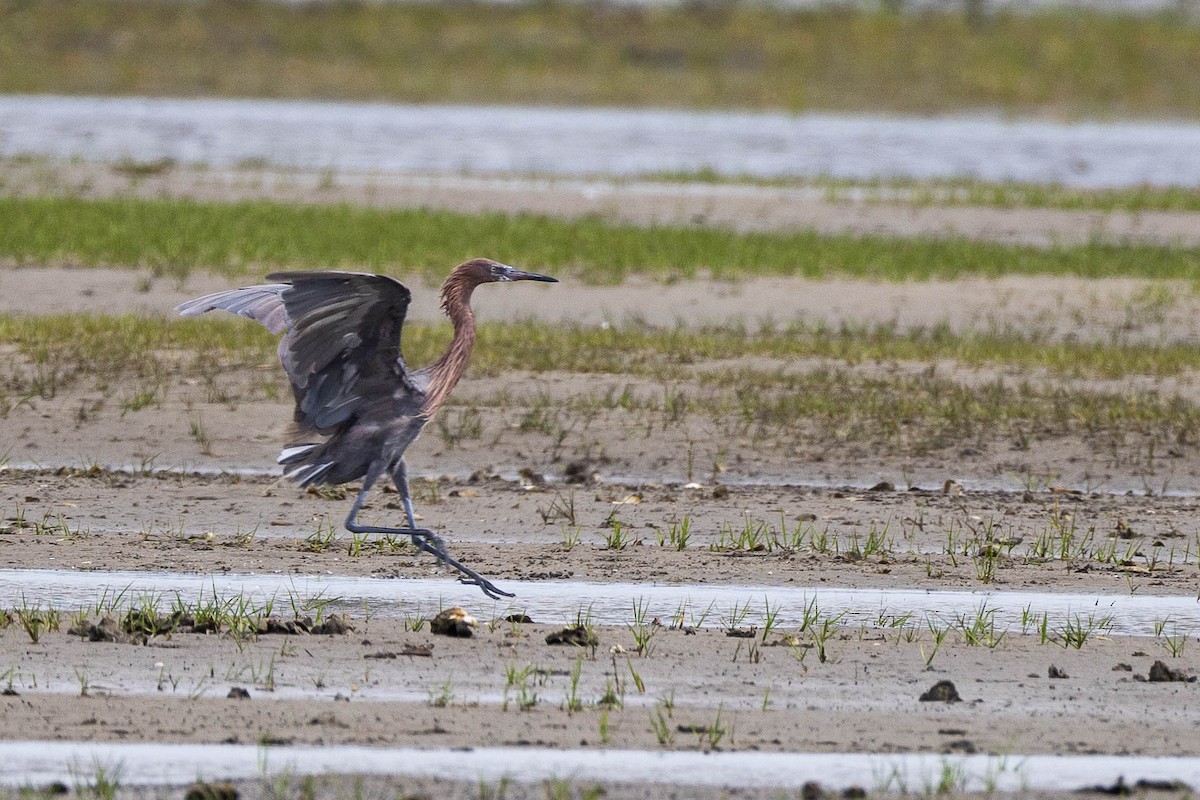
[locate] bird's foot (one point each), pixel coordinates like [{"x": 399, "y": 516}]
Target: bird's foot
[
  {"x": 433, "y": 544},
  {"x": 472, "y": 578}
]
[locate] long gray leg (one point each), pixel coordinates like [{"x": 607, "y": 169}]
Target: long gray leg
[{"x": 423, "y": 538}]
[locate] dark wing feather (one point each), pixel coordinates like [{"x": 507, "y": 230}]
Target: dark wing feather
[{"x": 342, "y": 348}]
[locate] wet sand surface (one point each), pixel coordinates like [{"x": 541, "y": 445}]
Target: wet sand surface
[{"x": 108, "y": 491}]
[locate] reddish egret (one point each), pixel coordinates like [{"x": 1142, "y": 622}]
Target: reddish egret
[{"x": 358, "y": 405}]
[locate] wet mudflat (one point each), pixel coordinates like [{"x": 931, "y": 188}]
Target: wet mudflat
[
  {"x": 732, "y": 618},
  {"x": 707, "y": 588}
]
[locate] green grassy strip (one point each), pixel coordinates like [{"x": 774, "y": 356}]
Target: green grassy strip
[
  {"x": 649, "y": 352},
  {"x": 114, "y": 344},
  {"x": 905, "y": 412},
  {"x": 175, "y": 237},
  {"x": 724, "y": 54},
  {"x": 1027, "y": 195}
]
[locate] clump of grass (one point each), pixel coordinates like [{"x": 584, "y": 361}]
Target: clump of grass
[
  {"x": 523, "y": 681},
  {"x": 35, "y": 620},
  {"x": 1077, "y": 629}
]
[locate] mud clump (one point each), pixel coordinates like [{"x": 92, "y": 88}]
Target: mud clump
[
  {"x": 580, "y": 472},
  {"x": 579, "y": 635},
  {"x": 1123, "y": 789},
  {"x": 941, "y": 692},
  {"x": 813, "y": 790},
  {"x": 137, "y": 627},
  {"x": 210, "y": 791},
  {"x": 106, "y": 630},
  {"x": 1161, "y": 673}
]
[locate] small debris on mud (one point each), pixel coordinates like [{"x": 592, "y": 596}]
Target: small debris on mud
[
  {"x": 580, "y": 472},
  {"x": 1161, "y": 673},
  {"x": 454, "y": 622},
  {"x": 238, "y": 693},
  {"x": 883, "y": 486},
  {"x": 812, "y": 790},
  {"x": 952, "y": 488},
  {"x": 9, "y": 692},
  {"x": 1124, "y": 530},
  {"x": 210, "y": 791},
  {"x": 579, "y": 635},
  {"x": 531, "y": 479},
  {"x": 423, "y": 650},
  {"x": 1121, "y": 788},
  {"x": 1055, "y": 672},
  {"x": 964, "y": 746},
  {"x": 942, "y": 692},
  {"x": 743, "y": 633},
  {"x": 276, "y": 741},
  {"x": 1123, "y": 667},
  {"x": 334, "y": 625},
  {"x": 520, "y": 619}
]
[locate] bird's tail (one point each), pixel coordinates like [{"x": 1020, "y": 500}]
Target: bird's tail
[{"x": 309, "y": 468}]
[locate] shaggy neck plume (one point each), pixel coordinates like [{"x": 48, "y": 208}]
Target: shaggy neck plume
[{"x": 445, "y": 372}]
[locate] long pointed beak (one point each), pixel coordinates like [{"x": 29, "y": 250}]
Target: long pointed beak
[{"x": 521, "y": 275}]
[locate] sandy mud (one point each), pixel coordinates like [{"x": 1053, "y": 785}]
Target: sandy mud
[{"x": 89, "y": 486}]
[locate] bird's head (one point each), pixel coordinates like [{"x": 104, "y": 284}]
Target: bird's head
[{"x": 484, "y": 270}]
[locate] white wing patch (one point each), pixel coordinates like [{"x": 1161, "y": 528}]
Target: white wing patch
[{"x": 291, "y": 454}]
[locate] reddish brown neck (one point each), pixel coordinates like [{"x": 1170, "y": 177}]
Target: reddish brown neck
[{"x": 445, "y": 372}]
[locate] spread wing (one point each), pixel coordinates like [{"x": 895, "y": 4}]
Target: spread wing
[
  {"x": 341, "y": 349},
  {"x": 262, "y": 304}
]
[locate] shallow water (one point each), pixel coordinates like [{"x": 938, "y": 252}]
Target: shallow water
[
  {"x": 577, "y": 141},
  {"x": 38, "y": 763},
  {"x": 606, "y": 604}
]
